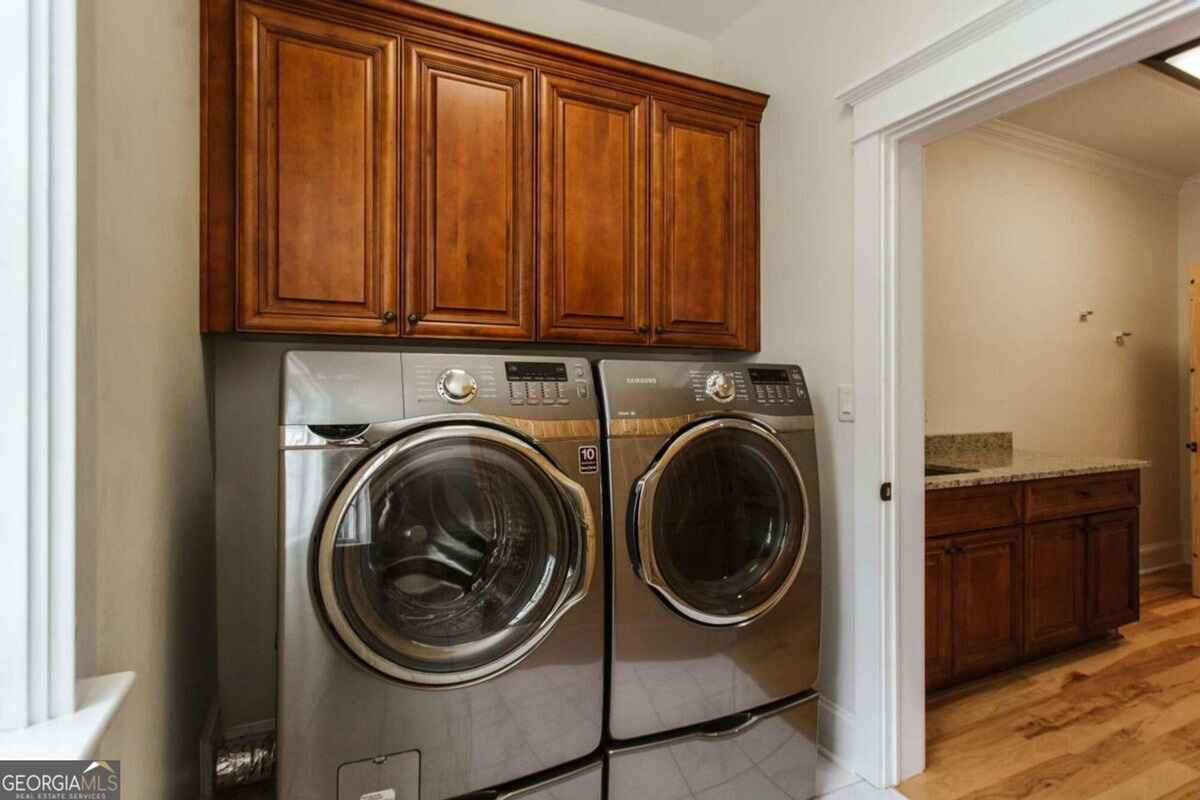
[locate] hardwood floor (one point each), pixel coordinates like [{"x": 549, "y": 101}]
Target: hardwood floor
[{"x": 1116, "y": 719}]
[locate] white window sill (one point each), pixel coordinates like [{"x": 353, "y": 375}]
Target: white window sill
[{"x": 74, "y": 736}]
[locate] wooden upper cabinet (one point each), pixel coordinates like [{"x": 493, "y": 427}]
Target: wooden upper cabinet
[
  {"x": 468, "y": 161},
  {"x": 593, "y": 279},
  {"x": 1112, "y": 569},
  {"x": 316, "y": 175},
  {"x": 393, "y": 169},
  {"x": 703, "y": 200}
]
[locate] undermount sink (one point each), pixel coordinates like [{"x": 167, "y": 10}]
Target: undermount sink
[{"x": 935, "y": 469}]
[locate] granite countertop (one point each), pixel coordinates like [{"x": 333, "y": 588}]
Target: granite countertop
[{"x": 992, "y": 459}]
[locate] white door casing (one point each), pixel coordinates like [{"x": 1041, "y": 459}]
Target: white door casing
[
  {"x": 37, "y": 351},
  {"x": 1020, "y": 51}
]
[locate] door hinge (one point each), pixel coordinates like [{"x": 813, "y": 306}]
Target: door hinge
[
  {"x": 885, "y": 492},
  {"x": 1191, "y": 446}
]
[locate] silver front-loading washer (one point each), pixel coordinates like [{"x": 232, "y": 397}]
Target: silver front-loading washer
[
  {"x": 441, "y": 614},
  {"x": 715, "y": 542}
]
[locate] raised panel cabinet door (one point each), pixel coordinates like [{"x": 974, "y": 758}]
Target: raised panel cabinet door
[
  {"x": 1055, "y": 567},
  {"x": 1112, "y": 569},
  {"x": 593, "y": 281},
  {"x": 939, "y": 610},
  {"x": 316, "y": 175},
  {"x": 988, "y": 593},
  {"x": 698, "y": 201},
  {"x": 468, "y": 160}
]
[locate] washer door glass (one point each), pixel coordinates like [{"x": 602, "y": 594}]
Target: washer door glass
[
  {"x": 449, "y": 555},
  {"x": 722, "y": 522}
]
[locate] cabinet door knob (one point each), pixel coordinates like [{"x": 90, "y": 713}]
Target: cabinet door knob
[
  {"x": 388, "y": 316},
  {"x": 413, "y": 319},
  {"x": 660, "y": 329},
  {"x": 643, "y": 329}
]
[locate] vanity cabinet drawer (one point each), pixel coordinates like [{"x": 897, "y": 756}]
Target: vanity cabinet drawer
[
  {"x": 972, "y": 508},
  {"x": 1081, "y": 494}
]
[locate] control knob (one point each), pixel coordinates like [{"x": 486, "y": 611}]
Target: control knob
[
  {"x": 457, "y": 386},
  {"x": 719, "y": 386}
]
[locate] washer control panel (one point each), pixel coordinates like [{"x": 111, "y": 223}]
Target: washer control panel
[
  {"x": 457, "y": 386},
  {"x": 545, "y": 383}
]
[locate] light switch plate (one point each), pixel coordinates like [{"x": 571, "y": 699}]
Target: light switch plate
[{"x": 845, "y": 403}]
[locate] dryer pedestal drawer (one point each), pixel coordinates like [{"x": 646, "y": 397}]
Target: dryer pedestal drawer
[{"x": 775, "y": 757}]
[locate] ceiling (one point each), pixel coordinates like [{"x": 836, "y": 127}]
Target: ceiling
[
  {"x": 703, "y": 18},
  {"x": 1134, "y": 112}
]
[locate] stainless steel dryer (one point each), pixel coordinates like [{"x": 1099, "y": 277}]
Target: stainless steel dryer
[
  {"x": 716, "y": 540},
  {"x": 441, "y": 613}
]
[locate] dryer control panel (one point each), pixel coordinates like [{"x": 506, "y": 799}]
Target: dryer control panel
[
  {"x": 669, "y": 390},
  {"x": 764, "y": 386}
]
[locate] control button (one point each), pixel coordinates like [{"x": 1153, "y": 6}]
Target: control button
[
  {"x": 517, "y": 401},
  {"x": 720, "y": 387},
  {"x": 562, "y": 401},
  {"x": 561, "y": 390},
  {"x": 457, "y": 386},
  {"x": 516, "y": 389},
  {"x": 549, "y": 389},
  {"x": 534, "y": 389},
  {"x": 578, "y": 372},
  {"x": 533, "y": 401},
  {"x": 582, "y": 390}
]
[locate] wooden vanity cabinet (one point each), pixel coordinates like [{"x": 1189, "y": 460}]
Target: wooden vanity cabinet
[
  {"x": 383, "y": 168},
  {"x": 997, "y": 593}
]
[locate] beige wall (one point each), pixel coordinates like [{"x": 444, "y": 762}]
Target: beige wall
[
  {"x": 146, "y": 552},
  {"x": 1016, "y": 245},
  {"x": 803, "y": 54},
  {"x": 247, "y": 381}
]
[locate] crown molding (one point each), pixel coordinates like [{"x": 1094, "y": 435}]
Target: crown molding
[
  {"x": 938, "y": 50},
  {"x": 1062, "y": 151}
]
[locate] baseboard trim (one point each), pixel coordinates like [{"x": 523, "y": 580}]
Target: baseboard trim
[
  {"x": 249, "y": 729},
  {"x": 835, "y": 734},
  {"x": 1159, "y": 556},
  {"x": 208, "y": 748}
]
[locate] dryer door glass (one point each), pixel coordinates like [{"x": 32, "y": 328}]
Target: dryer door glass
[
  {"x": 450, "y": 554},
  {"x": 722, "y": 522}
]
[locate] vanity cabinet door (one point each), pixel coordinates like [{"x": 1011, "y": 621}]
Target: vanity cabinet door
[
  {"x": 468, "y": 162},
  {"x": 1054, "y": 580},
  {"x": 316, "y": 175},
  {"x": 1112, "y": 570},
  {"x": 939, "y": 610},
  {"x": 988, "y": 600}
]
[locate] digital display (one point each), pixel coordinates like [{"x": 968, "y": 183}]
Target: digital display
[
  {"x": 762, "y": 375},
  {"x": 535, "y": 371}
]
